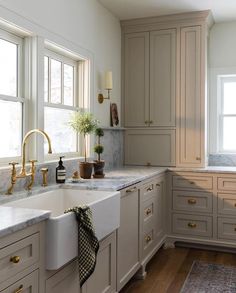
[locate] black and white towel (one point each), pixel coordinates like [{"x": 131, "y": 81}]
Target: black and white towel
[{"x": 88, "y": 244}]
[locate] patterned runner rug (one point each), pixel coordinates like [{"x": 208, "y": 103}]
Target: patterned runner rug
[{"x": 210, "y": 278}]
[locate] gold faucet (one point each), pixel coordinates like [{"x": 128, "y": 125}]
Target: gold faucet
[{"x": 23, "y": 172}]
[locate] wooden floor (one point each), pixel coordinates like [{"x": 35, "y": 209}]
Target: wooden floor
[{"x": 169, "y": 268}]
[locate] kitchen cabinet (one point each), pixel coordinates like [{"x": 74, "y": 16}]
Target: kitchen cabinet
[
  {"x": 128, "y": 257},
  {"x": 103, "y": 280},
  {"x": 150, "y": 147},
  {"x": 169, "y": 93},
  {"x": 191, "y": 128},
  {"x": 136, "y": 80}
]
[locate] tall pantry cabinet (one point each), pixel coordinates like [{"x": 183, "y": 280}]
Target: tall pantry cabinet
[{"x": 164, "y": 89}]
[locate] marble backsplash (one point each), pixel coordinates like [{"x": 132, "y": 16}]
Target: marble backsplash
[
  {"x": 112, "y": 141},
  {"x": 222, "y": 160}
]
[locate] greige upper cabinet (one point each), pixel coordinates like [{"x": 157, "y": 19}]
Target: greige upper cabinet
[
  {"x": 162, "y": 77},
  {"x": 136, "y": 81},
  {"x": 149, "y": 81},
  {"x": 191, "y": 128}
]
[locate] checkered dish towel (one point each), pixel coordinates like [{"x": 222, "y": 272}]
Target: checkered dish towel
[{"x": 88, "y": 244}]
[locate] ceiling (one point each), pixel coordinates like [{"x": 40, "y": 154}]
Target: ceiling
[{"x": 223, "y": 10}]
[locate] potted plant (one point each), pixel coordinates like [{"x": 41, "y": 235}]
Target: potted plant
[
  {"x": 84, "y": 123},
  {"x": 98, "y": 149}
]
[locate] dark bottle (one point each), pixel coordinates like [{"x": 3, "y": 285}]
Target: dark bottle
[{"x": 60, "y": 172}]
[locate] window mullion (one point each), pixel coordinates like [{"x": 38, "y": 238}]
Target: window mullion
[{"x": 62, "y": 83}]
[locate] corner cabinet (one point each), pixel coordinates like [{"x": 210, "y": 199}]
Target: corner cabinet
[{"x": 164, "y": 87}]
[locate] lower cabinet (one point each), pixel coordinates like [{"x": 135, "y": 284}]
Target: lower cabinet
[
  {"x": 64, "y": 280},
  {"x": 26, "y": 284},
  {"x": 103, "y": 280},
  {"x": 128, "y": 258}
]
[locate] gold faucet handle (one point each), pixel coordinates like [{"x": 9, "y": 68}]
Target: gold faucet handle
[
  {"x": 44, "y": 172},
  {"x": 13, "y": 164}
]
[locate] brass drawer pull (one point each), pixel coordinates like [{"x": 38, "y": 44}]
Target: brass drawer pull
[
  {"x": 19, "y": 290},
  {"x": 192, "y": 182},
  {"x": 149, "y": 188},
  {"x": 158, "y": 185},
  {"x": 131, "y": 190},
  {"x": 192, "y": 201},
  {"x": 15, "y": 259},
  {"x": 148, "y": 239},
  {"x": 198, "y": 158},
  {"x": 148, "y": 212},
  {"x": 192, "y": 225}
]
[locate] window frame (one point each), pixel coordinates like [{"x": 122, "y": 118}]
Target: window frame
[
  {"x": 19, "y": 41},
  {"x": 78, "y": 83}
]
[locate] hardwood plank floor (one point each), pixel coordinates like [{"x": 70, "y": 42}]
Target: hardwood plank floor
[{"x": 168, "y": 269}]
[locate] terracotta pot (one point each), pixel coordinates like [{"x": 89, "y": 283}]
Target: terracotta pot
[
  {"x": 98, "y": 169},
  {"x": 85, "y": 169}
]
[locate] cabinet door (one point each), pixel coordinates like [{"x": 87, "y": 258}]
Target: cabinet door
[
  {"x": 150, "y": 147},
  {"x": 103, "y": 280},
  {"x": 65, "y": 280},
  {"x": 136, "y": 79},
  {"x": 192, "y": 98},
  {"x": 128, "y": 237},
  {"x": 162, "y": 77}
]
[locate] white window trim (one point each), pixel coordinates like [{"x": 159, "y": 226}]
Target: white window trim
[
  {"x": 215, "y": 130},
  {"x": 17, "y": 40}
]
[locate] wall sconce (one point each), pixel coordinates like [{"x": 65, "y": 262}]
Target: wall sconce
[{"x": 108, "y": 87}]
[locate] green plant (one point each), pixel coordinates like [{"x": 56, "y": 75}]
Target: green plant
[
  {"x": 83, "y": 123},
  {"x": 98, "y": 149}
]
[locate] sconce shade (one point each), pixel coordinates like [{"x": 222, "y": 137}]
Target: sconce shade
[{"x": 108, "y": 80}]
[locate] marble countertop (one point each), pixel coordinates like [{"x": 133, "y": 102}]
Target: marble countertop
[{"x": 14, "y": 219}]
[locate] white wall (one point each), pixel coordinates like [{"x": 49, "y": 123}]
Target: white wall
[
  {"x": 87, "y": 24},
  {"x": 222, "y": 51}
]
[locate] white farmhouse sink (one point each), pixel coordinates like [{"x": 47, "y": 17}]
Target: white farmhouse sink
[{"x": 62, "y": 229}]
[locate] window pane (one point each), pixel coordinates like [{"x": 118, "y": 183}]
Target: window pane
[
  {"x": 230, "y": 97},
  {"x": 46, "y": 79},
  {"x": 68, "y": 84},
  {"x": 229, "y": 139},
  {"x": 56, "y": 125},
  {"x": 8, "y": 68},
  {"x": 10, "y": 128},
  {"x": 55, "y": 81}
]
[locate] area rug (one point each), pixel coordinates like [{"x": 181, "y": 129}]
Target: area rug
[{"x": 210, "y": 278}]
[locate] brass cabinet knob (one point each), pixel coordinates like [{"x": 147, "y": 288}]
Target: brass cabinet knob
[
  {"x": 192, "y": 225},
  {"x": 151, "y": 122},
  {"x": 15, "y": 259},
  {"x": 148, "y": 164},
  {"x": 148, "y": 239},
  {"x": 198, "y": 159},
  {"x": 192, "y": 201},
  {"x": 149, "y": 188},
  {"x": 19, "y": 290},
  {"x": 235, "y": 205},
  {"x": 146, "y": 122},
  {"x": 192, "y": 182},
  {"x": 148, "y": 212}
]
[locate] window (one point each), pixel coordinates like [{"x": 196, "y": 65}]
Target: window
[
  {"x": 227, "y": 113},
  {"x": 11, "y": 99},
  {"x": 60, "y": 101}
]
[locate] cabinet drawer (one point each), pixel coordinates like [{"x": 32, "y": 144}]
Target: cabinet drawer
[
  {"x": 194, "y": 201},
  {"x": 227, "y": 204},
  {"x": 148, "y": 241},
  {"x": 226, "y": 183},
  {"x": 27, "y": 284},
  {"x": 148, "y": 190},
  {"x": 18, "y": 256},
  {"x": 227, "y": 228},
  {"x": 193, "y": 182},
  {"x": 148, "y": 210},
  {"x": 192, "y": 225}
]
